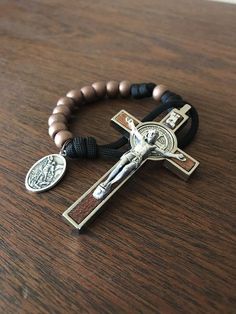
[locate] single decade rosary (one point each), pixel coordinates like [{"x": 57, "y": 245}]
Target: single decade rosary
[{"x": 148, "y": 140}]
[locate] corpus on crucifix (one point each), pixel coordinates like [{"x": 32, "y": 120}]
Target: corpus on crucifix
[{"x": 143, "y": 148}]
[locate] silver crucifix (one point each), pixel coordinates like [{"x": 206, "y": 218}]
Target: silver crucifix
[
  {"x": 149, "y": 141},
  {"x": 144, "y": 146}
]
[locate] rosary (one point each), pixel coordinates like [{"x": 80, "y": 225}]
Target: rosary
[{"x": 146, "y": 139}]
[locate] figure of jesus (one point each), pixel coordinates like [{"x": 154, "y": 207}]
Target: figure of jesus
[{"x": 132, "y": 159}]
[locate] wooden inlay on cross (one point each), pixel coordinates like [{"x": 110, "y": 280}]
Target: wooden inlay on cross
[{"x": 149, "y": 141}]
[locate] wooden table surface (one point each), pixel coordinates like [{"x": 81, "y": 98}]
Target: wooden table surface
[{"x": 162, "y": 245}]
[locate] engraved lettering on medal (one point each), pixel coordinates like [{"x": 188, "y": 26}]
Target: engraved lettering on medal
[{"x": 172, "y": 120}]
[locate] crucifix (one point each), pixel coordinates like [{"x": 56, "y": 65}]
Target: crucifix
[{"x": 149, "y": 141}]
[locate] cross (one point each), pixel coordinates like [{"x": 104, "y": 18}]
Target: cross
[{"x": 149, "y": 141}]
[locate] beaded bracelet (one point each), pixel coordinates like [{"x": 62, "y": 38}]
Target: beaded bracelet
[
  {"x": 38, "y": 180},
  {"x": 57, "y": 121},
  {"x": 86, "y": 147}
]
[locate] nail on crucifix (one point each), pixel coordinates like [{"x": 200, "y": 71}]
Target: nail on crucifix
[{"x": 149, "y": 141}]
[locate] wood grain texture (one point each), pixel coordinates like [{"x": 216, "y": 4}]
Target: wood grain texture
[
  {"x": 84, "y": 208},
  {"x": 162, "y": 245}
]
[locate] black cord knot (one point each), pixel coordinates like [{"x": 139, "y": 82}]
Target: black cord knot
[
  {"x": 142, "y": 90},
  {"x": 82, "y": 147},
  {"x": 170, "y": 99}
]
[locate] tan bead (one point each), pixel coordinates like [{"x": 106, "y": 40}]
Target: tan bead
[
  {"x": 57, "y": 117},
  {"x": 76, "y": 95},
  {"x": 61, "y": 137},
  {"x": 158, "y": 91},
  {"x": 55, "y": 128},
  {"x": 88, "y": 93},
  {"x": 100, "y": 89},
  {"x": 63, "y": 109},
  {"x": 66, "y": 101},
  {"x": 112, "y": 89},
  {"x": 124, "y": 89}
]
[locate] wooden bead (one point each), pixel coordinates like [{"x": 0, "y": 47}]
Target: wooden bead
[
  {"x": 112, "y": 89},
  {"x": 63, "y": 109},
  {"x": 88, "y": 93},
  {"x": 61, "y": 137},
  {"x": 76, "y": 95},
  {"x": 66, "y": 101},
  {"x": 158, "y": 91},
  {"x": 124, "y": 89},
  {"x": 55, "y": 128},
  {"x": 100, "y": 89},
  {"x": 57, "y": 117}
]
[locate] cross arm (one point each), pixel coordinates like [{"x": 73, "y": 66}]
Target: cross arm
[
  {"x": 120, "y": 122},
  {"x": 182, "y": 168}
]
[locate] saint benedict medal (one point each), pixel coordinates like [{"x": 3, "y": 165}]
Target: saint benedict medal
[{"x": 148, "y": 140}]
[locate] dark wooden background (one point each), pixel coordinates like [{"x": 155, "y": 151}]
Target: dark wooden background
[{"x": 162, "y": 245}]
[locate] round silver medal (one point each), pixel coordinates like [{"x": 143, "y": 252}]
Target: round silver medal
[
  {"x": 166, "y": 140},
  {"x": 45, "y": 173}
]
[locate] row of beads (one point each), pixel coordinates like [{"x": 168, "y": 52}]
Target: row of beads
[{"x": 57, "y": 122}]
